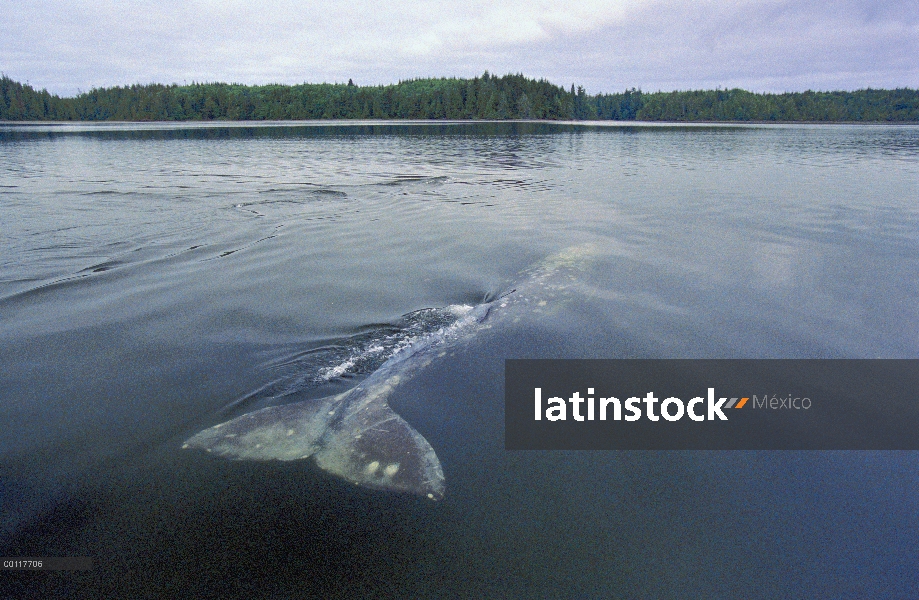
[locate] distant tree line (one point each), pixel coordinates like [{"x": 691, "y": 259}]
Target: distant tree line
[
  {"x": 485, "y": 97},
  {"x": 899, "y": 105}
]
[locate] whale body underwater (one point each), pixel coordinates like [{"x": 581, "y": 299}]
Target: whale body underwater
[{"x": 355, "y": 435}]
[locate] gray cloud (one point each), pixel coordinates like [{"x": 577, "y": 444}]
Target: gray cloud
[{"x": 762, "y": 45}]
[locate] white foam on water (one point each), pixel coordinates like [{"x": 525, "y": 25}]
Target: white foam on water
[
  {"x": 459, "y": 310},
  {"x": 390, "y": 345},
  {"x": 329, "y": 373}
]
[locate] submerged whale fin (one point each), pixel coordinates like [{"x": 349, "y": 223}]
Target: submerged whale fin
[
  {"x": 373, "y": 446},
  {"x": 286, "y": 432},
  {"x": 355, "y": 435}
]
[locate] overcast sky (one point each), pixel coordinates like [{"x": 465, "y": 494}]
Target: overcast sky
[{"x": 606, "y": 46}]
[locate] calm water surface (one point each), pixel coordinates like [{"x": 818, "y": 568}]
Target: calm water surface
[{"x": 158, "y": 279}]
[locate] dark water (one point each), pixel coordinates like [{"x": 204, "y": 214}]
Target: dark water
[{"x": 157, "y": 279}]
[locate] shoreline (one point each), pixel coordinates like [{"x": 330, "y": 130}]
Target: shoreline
[{"x": 373, "y": 121}]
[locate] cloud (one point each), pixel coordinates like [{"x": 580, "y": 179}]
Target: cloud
[
  {"x": 608, "y": 46},
  {"x": 73, "y": 42},
  {"x": 762, "y": 46}
]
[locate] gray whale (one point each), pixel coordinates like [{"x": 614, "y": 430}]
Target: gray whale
[{"x": 356, "y": 435}]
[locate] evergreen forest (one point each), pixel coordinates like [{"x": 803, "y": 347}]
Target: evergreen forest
[{"x": 485, "y": 97}]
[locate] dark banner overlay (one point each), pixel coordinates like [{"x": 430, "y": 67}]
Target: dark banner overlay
[{"x": 711, "y": 404}]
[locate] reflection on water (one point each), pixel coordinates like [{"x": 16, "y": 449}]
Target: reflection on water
[{"x": 156, "y": 279}]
